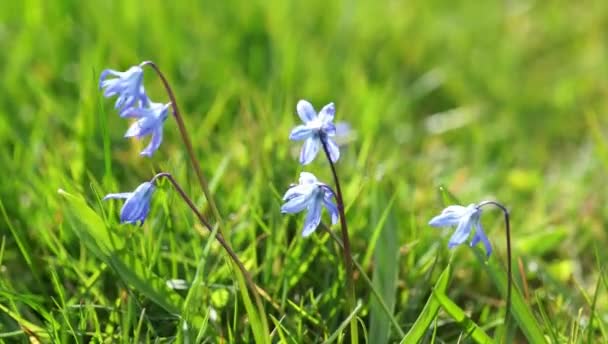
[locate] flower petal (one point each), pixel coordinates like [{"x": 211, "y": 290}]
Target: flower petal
[
  {"x": 307, "y": 178},
  {"x": 297, "y": 190},
  {"x": 142, "y": 127},
  {"x": 480, "y": 235},
  {"x": 104, "y": 75},
  {"x": 306, "y": 111},
  {"x": 450, "y": 216},
  {"x": 295, "y": 204},
  {"x": 313, "y": 218},
  {"x": 334, "y": 151},
  {"x": 300, "y": 132},
  {"x": 309, "y": 150},
  {"x": 327, "y": 113},
  {"x": 461, "y": 234},
  {"x": 157, "y": 139},
  {"x": 331, "y": 208},
  {"x": 122, "y": 195},
  {"x": 137, "y": 207}
]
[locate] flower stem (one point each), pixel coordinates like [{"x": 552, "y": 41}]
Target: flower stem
[
  {"x": 348, "y": 263},
  {"x": 508, "y": 235},
  {"x": 220, "y": 238},
  {"x": 187, "y": 142}
]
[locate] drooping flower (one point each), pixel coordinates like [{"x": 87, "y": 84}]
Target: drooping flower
[
  {"x": 127, "y": 85},
  {"x": 464, "y": 218},
  {"x": 316, "y": 130},
  {"x": 150, "y": 121},
  {"x": 312, "y": 195},
  {"x": 137, "y": 204}
]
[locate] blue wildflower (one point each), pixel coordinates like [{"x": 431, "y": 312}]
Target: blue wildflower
[
  {"x": 137, "y": 205},
  {"x": 464, "y": 218},
  {"x": 150, "y": 121},
  {"x": 127, "y": 85},
  {"x": 310, "y": 194},
  {"x": 316, "y": 128}
]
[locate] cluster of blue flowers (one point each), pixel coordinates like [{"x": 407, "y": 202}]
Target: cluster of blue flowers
[
  {"x": 309, "y": 194},
  {"x": 318, "y": 132},
  {"x": 133, "y": 102}
]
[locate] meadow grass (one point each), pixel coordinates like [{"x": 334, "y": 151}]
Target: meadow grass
[{"x": 489, "y": 100}]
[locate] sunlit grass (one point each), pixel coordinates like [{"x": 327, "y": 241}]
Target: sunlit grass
[{"x": 496, "y": 100}]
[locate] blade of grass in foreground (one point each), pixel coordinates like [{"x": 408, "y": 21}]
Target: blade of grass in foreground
[
  {"x": 343, "y": 325},
  {"x": 386, "y": 258},
  {"x": 471, "y": 329},
  {"x": 430, "y": 310},
  {"x": 520, "y": 309},
  {"x": 90, "y": 228}
]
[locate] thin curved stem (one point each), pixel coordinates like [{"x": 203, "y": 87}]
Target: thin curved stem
[
  {"x": 220, "y": 238},
  {"x": 187, "y": 142},
  {"x": 348, "y": 263},
  {"x": 508, "y": 235}
]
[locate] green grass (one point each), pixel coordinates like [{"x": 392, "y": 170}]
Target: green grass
[{"x": 492, "y": 100}]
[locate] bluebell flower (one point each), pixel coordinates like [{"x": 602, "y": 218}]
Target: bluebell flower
[
  {"x": 127, "y": 85},
  {"x": 150, "y": 121},
  {"x": 464, "y": 218},
  {"x": 137, "y": 204},
  {"x": 316, "y": 127},
  {"x": 312, "y": 195}
]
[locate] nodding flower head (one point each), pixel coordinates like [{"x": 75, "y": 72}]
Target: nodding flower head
[
  {"x": 464, "y": 218},
  {"x": 137, "y": 204},
  {"x": 127, "y": 85},
  {"x": 316, "y": 130},
  {"x": 312, "y": 195},
  {"x": 150, "y": 121}
]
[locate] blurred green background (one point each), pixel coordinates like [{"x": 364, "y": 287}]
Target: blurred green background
[{"x": 497, "y": 100}]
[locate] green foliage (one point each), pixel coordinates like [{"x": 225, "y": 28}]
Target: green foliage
[{"x": 494, "y": 100}]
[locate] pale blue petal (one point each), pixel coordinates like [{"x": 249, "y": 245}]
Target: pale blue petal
[
  {"x": 309, "y": 150},
  {"x": 104, "y": 74},
  {"x": 301, "y": 132},
  {"x": 450, "y": 216},
  {"x": 142, "y": 127},
  {"x": 295, "y": 204},
  {"x": 334, "y": 151},
  {"x": 307, "y": 178},
  {"x": 327, "y": 113},
  {"x": 331, "y": 208},
  {"x": 301, "y": 189},
  {"x": 137, "y": 207},
  {"x": 329, "y": 129},
  {"x": 480, "y": 235},
  {"x": 313, "y": 218},
  {"x": 157, "y": 139},
  {"x": 306, "y": 111},
  {"x": 122, "y": 195},
  {"x": 461, "y": 234}
]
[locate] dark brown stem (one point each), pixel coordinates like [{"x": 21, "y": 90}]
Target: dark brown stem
[
  {"x": 348, "y": 263},
  {"x": 187, "y": 142},
  {"x": 508, "y": 235},
  {"x": 220, "y": 238}
]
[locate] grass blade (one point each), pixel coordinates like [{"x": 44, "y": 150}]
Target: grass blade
[
  {"x": 386, "y": 258},
  {"x": 469, "y": 326},
  {"x": 430, "y": 310}
]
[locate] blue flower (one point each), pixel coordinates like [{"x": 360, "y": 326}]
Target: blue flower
[
  {"x": 137, "y": 205},
  {"x": 464, "y": 218},
  {"x": 310, "y": 194},
  {"x": 127, "y": 85},
  {"x": 316, "y": 128},
  {"x": 150, "y": 121}
]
